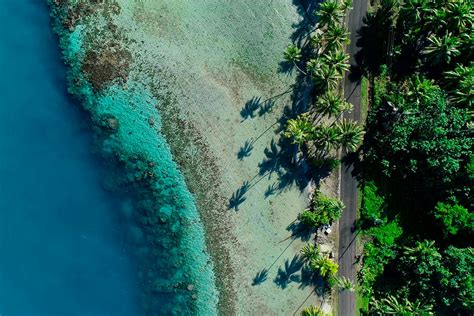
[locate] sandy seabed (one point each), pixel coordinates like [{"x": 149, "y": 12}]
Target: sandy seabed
[
  {"x": 213, "y": 67},
  {"x": 207, "y": 59}
]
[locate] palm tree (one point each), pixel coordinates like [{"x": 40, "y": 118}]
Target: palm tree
[
  {"x": 293, "y": 55},
  {"x": 313, "y": 65},
  {"x": 324, "y": 204},
  {"x": 336, "y": 37},
  {"x": 346, "y": 5},
  {"x": 326, "y": 77},
  {"x": 318, "y": 40},
  {"x": 467, "y": 45},
  {"x": 460, "y": 82},
  {"x": 344, "y": 283},
  {"x": 421, "y": 251},
  {"x": 464, "y": 93},
  {"x": 351, "y": 135},
  {"x": 299, "y": 129},
  {"x": 440, "y": 51},
  {"x": 309, "y": 252},
  {"x": 458, "y": 15},
  {"x": 326, "y": 137},
  {"x": 312, "y": 311},
  {"x": 453, "y": 77},
  {"x": 331, "y": 104},
  {"x": 421, "y": 88},
  {"x": 329, "y": 13},
  {"x": 416, "y": 13},
  {"x": 392, "y": 305},
  {"x": 338, "y": 59},
  {"x": 326, "y": 267}
]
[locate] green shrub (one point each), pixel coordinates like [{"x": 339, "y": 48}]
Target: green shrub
[
  {"x": 373, "y": 204},
  {"x": 453, "y": 218},
  {"x": 377, "y": 253}
]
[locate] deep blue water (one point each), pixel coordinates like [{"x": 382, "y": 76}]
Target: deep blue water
[{"x": 60, "y": 241}]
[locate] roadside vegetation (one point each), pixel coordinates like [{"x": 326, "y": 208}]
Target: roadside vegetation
[
  {"x": 321, "y": 134},
  {"x": 416, "y": 217}
]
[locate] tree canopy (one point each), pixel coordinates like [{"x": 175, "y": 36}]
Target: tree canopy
[{"x": 417, "y": 166}]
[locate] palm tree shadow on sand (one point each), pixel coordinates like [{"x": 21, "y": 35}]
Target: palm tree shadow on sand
[
  {"x": 300, "y": 231},
  {"x": 250, "y": 108},
  {"x": 260, "y": 277},
  {"x": 288, "y": 273},
  {"x": 297, "y": 271},
  {"x": 238, "y": 197},
  {"x": 245, "y": 150}
]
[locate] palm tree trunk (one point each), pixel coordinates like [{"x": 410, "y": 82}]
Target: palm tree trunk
[
  {"x": 336, "y": 119},
  {"x": 299, "y": 69}
]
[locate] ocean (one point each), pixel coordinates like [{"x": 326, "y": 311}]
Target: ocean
[{"x": 91, "y": 223}]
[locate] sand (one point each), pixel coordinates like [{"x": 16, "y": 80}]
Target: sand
[{"x": 205, "y": 60}]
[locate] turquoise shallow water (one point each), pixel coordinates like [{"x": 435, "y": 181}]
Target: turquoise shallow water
[
  {"x": 68, "y": 246},
  {"x": 162, "y": 227},
  {"x": 61, "y": 241}
]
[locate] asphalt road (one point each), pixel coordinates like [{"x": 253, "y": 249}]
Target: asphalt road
[{"x": 347, "y": 243}]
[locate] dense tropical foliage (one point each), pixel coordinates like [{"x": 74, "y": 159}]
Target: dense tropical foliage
[{"x": 416, "y": 172}]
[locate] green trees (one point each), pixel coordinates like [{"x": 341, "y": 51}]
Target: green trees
[
  {"x": 350, "y": 135},
  {"x": 323, "y": 211},
  {"x": 418, "y": 133},
  {"x": 326, "y": 267},
  {"x": 442, "y": 278},
  {"x": 372, "y": 206},
  {"x": 331, "y": 104},
  {"x": 441, "y": 50},
  {"x": 454, "y": 219},
  {"x": 417, "y": 164},
  {"x": 319, "y": 262},
  {"x": 392, "y": 305},
  {"x": 330, "y": 13},
  {"x": 378, "y": 252},
  {"x": 457, "y": 279},
  {"x": 421, "y": 262},
  {"x": 300, "y": 129}
]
